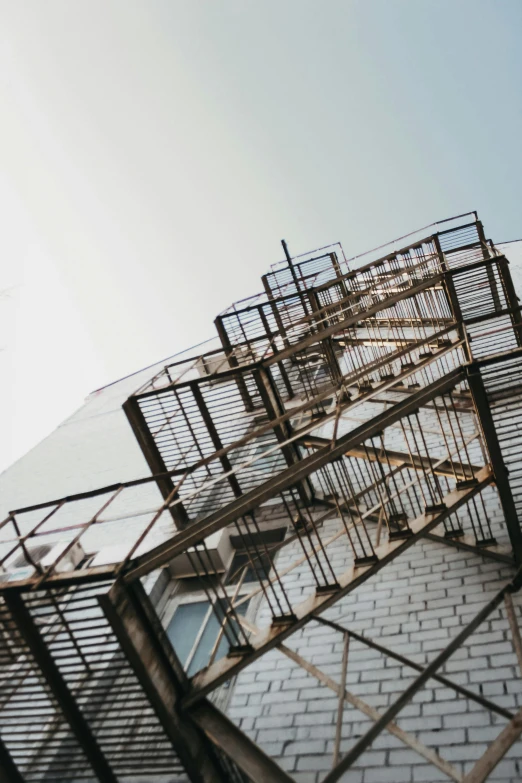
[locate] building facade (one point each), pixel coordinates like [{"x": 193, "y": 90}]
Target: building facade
[{"x": 292, "y": 554}]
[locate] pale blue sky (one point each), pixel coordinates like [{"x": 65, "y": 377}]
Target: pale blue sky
[{"x": 154, "y": 153}]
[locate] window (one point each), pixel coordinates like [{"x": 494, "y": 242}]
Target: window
[
  {"x": 194, "y": 631},
  {"x": 194, "y": 627},
  {"x": 37, "y": 553}
]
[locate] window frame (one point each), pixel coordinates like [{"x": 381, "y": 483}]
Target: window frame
[
  {"x": 182, "y": 597},
  {"x": 179, "y": 592}
]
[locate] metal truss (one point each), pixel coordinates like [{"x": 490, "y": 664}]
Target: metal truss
[{"x": 361, "y": 409}]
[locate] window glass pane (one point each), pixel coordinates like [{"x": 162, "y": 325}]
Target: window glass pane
[
  {"x": 185, "y": 626},
  {"x": 207, "y": 641},
  {"x": 206, "y": 644}
]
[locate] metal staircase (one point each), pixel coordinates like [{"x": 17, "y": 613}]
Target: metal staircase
[{"x": 362, "y": 410}]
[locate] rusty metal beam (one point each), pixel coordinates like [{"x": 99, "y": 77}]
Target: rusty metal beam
[
  {"x": 364, "y": 742},
  {"x": 486, "y": 703},
  {"x": 399, "y": 458},
  {"x": 163, "y": 553},
  {"x": 221, "y": 671},
  {"x": 480, "y": 399},
  {"x": 516, "y": 636},
  {"x": 496, "y": 751},
  {"x": 154, "y": 459},
  {"x": 160, "y": 674},
  {"x": 342, "y": 695},
  {"x": 347, "y": 697},
  {"x": 259, "y": 767}
]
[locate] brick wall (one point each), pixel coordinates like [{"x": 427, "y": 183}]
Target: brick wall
[{"x": 413, "y": 606}]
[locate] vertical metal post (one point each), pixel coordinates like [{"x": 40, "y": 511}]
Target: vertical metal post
[
  {"x": 161, "y": 676},
  {"x": 327, "y": 343},
  {"x": 233, "y": 362},
  {"x": 339, "y": 274},
  {"x": 515, "y": 630},
  {"x": 282, "y": 431},
  {"x": 480, "y": 399},
  {"x": 154, "y": 459},
  {"x": 489, "y": 267},
  {"x": 273, "y": 300},
  {"x": 266, "y": 285},
  {"x": 513, "y": 301},
  {"x": 340, "y": 707},
  {"x": 292, "y": 272},
  {"x": 273, "y": 345},
  {"x": 214, "y": 436},
  {"x": 482, "y": 239},
  {"x": 453, "y": 300}
]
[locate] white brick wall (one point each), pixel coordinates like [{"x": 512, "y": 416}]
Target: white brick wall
[{"x": 414, "y": 607}]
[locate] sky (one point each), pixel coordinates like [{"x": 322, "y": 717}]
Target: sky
[{"x": 153, "y": 153}]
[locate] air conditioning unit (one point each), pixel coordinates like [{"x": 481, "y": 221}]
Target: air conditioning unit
[
  {"x": 19, "y": 567},
  {"x": 16, "y": 574},
  {"x": 210, "y": 364},
  {"x": 114, "y": 554},
  {"x": 110, "y": 555},
  {"x": 69, "y": 562},
  {"x": 214, "y": 558}
]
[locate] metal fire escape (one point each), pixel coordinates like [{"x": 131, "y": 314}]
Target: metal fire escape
[{"x": 367, "y": 408}]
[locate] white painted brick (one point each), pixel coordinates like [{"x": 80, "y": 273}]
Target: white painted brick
[
  {"x": 274, "y": 721},
  {"x": 464, "y": 752},
  {"x": 306, "y": 747},
  {"x": 320, "y": 763},
  {"x": 276, "y": 734},
  {"x": 317, "y": 718},
  {"x": 456, "y": 720},
  {"x": 428, "y": 774},
  {"x": 382, "y": 775}
]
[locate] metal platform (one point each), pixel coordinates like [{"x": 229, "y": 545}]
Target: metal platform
[{"x": 363, "y": 411}]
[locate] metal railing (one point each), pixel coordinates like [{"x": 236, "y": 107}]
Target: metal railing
[{"x": 360, "y": 410}]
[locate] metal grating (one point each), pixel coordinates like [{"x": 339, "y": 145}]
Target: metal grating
[
  {"x": 345, "y": 412},
  {"x": 304, "y": 273},
  {"x": 101, "y": 681},
  {"x": 32, "y": 726}
]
